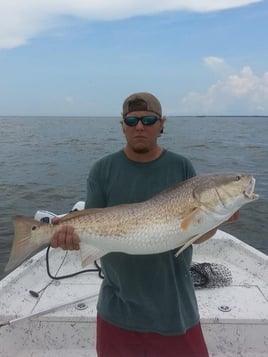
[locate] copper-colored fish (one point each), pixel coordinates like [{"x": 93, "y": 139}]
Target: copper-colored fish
[{"x": 174, "y": 218}]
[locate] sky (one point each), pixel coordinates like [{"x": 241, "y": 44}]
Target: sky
[{"x": 84, "y": 57}]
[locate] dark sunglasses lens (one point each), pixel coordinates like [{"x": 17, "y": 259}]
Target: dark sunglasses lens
[
  {"x": 131, "y": 121},
  {"x": 149, "y": 120}
]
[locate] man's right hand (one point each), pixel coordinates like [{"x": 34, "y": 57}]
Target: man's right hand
[{"x": 65, "y": 237}]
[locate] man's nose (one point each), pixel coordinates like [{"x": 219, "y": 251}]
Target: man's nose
[{"x": 139, "y": 126}]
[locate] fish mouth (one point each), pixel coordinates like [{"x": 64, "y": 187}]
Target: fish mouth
[{"x": 249, "y": 190}]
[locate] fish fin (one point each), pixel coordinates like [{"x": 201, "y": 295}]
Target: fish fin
[
  {"x": 89, "y": 254},
  {"x": 84, "y": 212},
  {"x": 189, "y": 218},
  {"x": 188, "y": 243},
  {"x": 89, "y": 211},
  {"x": 22, "y": 246}
]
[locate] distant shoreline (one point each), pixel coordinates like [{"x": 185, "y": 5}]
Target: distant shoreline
[{"x": 118, "y": 116}]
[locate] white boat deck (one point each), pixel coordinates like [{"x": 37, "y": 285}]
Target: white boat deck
[
  {"x": 241, "y": 329},
  {"x": 234, "y": 318}
]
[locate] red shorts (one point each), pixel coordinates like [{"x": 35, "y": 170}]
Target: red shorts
[{"x": 114, "y": 341}]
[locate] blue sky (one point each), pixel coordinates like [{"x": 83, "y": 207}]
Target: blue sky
[{"x": 84, "y": 57}]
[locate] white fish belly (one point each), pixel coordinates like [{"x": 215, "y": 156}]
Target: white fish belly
[{"x": 149, "y": 239}]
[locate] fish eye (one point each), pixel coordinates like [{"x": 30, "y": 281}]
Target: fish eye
[
  {"x": 34, "y": 228},
  {"x": 238, "y": 178}
]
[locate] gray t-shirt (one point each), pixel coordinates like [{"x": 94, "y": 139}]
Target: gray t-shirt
[{"x": 146, "y": 293}]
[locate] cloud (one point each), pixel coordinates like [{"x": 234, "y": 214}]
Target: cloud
[
  {"x": 213, "y": 62},
  {"x": 217, "y": 65},
  {"x": 22, "y": 20},
  {"x": 237, "y": 93}
]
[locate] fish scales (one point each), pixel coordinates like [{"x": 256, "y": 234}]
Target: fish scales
[{"x": 174, "y": 218}]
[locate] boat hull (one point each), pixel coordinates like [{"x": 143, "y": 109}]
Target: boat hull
[{"x": 234, "y": 318}]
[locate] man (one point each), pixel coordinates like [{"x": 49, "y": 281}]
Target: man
[{"x": 147, "y": 304}]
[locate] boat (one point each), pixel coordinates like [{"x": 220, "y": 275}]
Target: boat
[{"x": 41, "y": 316}]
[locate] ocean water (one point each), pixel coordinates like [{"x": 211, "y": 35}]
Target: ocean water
[{"x": 44, "y": 163}]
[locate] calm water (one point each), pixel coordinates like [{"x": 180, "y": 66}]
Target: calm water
[{"x": 44, "y": 162}]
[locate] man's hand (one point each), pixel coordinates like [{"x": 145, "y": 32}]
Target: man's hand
[
  {"x": 65, "y": 237},
  {"x": 233, "y": 218}
]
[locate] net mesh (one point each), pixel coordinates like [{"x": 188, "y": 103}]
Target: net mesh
[{"x": 210, "y": 275}]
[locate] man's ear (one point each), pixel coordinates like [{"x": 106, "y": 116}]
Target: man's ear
[{"x": 163, "y": 122}]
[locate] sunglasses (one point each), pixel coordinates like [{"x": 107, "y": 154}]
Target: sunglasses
[{"x": 146, "y": 120}]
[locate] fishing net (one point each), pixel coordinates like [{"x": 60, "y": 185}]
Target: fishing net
[{"x": 210, "y": 275}]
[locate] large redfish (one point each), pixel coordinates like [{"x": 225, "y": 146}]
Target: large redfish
[{"x": 174, "y": 218}]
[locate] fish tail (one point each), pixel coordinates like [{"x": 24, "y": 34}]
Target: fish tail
[{"x": 23, "y": 246}]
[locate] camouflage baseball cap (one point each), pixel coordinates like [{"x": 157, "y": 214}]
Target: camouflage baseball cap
[{"x": 142, "y": 102}]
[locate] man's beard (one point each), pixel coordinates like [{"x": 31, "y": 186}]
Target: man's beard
[{"x": 140, "y": 150}]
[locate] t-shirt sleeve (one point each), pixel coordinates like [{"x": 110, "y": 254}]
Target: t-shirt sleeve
[
  {"x": 95, "y": 197},
  {"x": 189, "y": 169}
]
